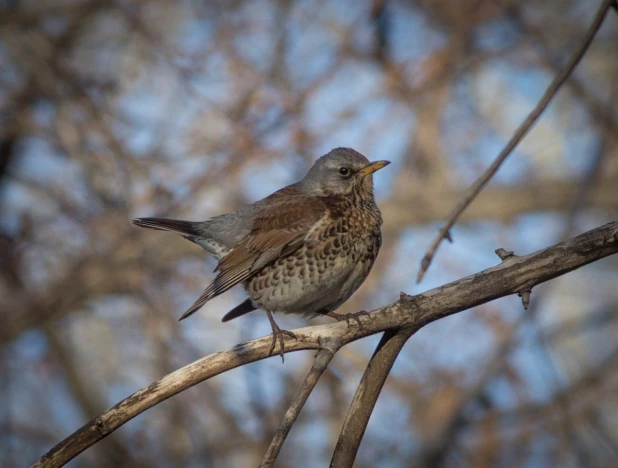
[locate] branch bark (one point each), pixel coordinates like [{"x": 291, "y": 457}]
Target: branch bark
[{"x": 511, "y": 276}]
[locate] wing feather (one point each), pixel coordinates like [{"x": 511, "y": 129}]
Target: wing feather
[{"x": 277, "y": 231}]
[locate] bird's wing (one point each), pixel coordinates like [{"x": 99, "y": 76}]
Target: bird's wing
[{"x": 278, "y": 230}]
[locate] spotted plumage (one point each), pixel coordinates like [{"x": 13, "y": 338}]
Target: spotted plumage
[{"x": 303, "y": 250}]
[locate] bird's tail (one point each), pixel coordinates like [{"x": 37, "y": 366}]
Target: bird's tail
[
  {"x": 184, "y": 228},
  {"x": 241, "y": 309}
]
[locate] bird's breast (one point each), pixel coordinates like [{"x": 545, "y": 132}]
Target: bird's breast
[
  {"x": 361, "y": 220},
  {"x": 333, "y": 261}
]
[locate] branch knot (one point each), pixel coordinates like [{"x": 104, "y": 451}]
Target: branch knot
[
  {"x": 504, "y": 254},
  {"x": 525, "y": 297}
]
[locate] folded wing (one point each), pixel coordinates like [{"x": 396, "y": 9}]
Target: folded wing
[{"x": 277, "y": 231}]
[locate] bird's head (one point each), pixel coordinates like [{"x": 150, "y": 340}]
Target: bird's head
[{"x": 339, "y": 172}]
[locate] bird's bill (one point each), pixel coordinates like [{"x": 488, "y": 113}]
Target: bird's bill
[{"x": 373, "y": 167}]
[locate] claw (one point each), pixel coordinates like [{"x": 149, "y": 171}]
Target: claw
[
  {"x": 278, "y": 336},
  {"x": 348, "y": 317}
]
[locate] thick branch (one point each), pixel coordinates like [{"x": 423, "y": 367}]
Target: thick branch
[
  {"x": 366, "y": 395},
  {"x": 520, "y": 133},
  {"x": 513, "y": 275}
]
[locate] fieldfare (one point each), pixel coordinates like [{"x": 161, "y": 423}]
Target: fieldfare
[{"x": 303, "y": 250}]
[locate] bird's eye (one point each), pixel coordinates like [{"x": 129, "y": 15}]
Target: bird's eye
[{"x": 344, "y": 171}]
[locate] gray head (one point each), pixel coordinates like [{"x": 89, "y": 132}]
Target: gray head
[{"x": 339, "y": 172}]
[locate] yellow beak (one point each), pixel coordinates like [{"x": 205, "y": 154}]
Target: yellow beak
[{"x": 373, "y": 167}]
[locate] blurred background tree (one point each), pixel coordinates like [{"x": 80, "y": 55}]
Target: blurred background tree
[{"x": 116, "y": 109}]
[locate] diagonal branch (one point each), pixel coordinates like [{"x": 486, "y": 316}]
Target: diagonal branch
[
  {"x": 520, "y": 133},
  {"x": 512, "y": 275},
  {"x": 322, "y": 359},
  {"x": 366, "y": 395}
]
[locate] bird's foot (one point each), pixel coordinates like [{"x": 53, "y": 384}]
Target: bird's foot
[
  {"x": 351, "y": 316},
  {"x": 278, "y": 335}
]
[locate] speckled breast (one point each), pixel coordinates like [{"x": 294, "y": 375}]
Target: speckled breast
[{"x": 332, "y": 263}]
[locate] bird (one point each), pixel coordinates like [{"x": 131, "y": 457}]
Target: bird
[{"x": 304, "y": 249}]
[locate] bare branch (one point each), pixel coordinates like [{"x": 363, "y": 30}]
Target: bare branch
[
  {"x": 413, "y": 312},
  {"x": 366, "y": 395},
  {"x": 322, "y": 359},
  {"x": 520, "y": 133}
]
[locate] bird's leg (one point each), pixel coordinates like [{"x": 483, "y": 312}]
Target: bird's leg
[
  {"x": 278, "y": 336},
  {"x": 351, "y": 316}
]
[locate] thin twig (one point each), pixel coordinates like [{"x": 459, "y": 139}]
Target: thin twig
[
  {"x": 408, "y": 312},
  {"x": 366, "y": 395},
  {"x": 322, "y": 359},
  {"x": 521, "y": 132}
]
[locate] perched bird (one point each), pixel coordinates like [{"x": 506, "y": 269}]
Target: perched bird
[{"x": 303, "y": 250}]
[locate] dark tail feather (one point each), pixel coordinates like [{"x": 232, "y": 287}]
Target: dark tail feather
[
  {"x": 184, "y": 228},
  {"x": 240, "y": 309}
]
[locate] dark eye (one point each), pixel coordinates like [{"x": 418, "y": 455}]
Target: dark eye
[{"x": 344, "y": 171}]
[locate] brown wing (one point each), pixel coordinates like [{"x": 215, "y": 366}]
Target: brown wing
[{"x": 277, "y": 231}]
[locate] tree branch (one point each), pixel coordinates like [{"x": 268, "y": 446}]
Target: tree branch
[
  {"x": 322, "y": 359},
  {"x": 366, "y": 395},
  {"x": 520, "y": 133},
  {"x": 511, "y": 276}
]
